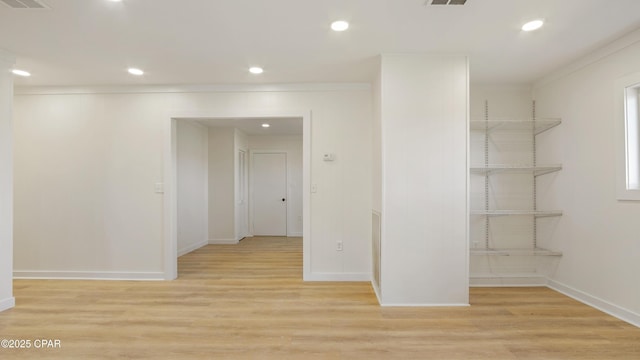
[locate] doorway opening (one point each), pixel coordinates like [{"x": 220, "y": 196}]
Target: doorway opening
[{"x": 239, "y": 204}]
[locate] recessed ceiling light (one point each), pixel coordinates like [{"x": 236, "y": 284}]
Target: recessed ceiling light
[
  {"x": 115, "y": 0},
  {"x": 339, "y": 25},
  {"x": 134, "y": 71},
  {"x": 21, "y": 72},
  {"x": 532, "y": 25},
  {"x": 256, "y": 70},
  {"x": 265, "y": 125}
]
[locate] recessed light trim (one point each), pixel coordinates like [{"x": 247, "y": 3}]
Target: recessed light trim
[
  {"x": 265, "y": 125},
  {"x": 21, "y": 72},
  {"x": 256, "y": 70},
  {"x": 134, "y": 71},
  {"x": 339, "y": 25},
  {"x": 533, "y": 25}
]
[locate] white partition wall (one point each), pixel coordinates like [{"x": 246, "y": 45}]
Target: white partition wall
[
  {"x": 192, "y": 185},
  {"x": 6, "y": 182},
  {"x": 423, "y": 110},
  {"x": 222, "y": 229},
  {"x": 87, "y": 161}
]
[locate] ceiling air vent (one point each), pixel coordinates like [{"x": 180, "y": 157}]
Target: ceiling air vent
[
  {"x": 446, "y": 2},
  {"x": 25, "y": 4}
]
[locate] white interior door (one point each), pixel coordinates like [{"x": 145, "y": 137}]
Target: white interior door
[
  {"x": 242, "y": 209},
  {"x": 269, "y": 180}
]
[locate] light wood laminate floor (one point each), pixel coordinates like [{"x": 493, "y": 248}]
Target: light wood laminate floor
[{"x": 248, "y": 301}]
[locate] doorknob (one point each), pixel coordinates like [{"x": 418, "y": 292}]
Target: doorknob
[{"x": 283, "y": 199}]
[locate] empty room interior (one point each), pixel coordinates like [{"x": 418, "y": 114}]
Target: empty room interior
[{"x": 336, "y": 179}]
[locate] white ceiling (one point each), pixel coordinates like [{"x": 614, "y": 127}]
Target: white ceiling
[
  {"x": 253, "y": 126},
  {"x": 92, "y": 42}
]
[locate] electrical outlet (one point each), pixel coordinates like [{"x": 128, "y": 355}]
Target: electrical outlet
[{"x": 338, "y": 245}]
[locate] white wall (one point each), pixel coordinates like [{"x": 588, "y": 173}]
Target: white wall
[
  {"x": 241, "y": 142},
  {"x": 86, "y": 165},
  {"x": 598, "y": 234},
  {"x": 376, "y": 152},
  {"x": 193, "y": 186},
  {"x": 85, "y": 170},
  {"x": 221, "y": 185},
  {"x": 376, "y": 183},
  {"x": 292, "y": 145},
  {"x": 6, "y": 181},
  {"x": 424, "y": 110},
  {"x": 341, "y": 207}
]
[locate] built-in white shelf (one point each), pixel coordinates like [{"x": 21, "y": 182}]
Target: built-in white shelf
[
  {"x": 536, "y": 126},
  {"x": 515, "y": 252},
  {"x": 515, "y": 169},
  {"x": 537, "y": 214},
  {"x": 523, "y": 130}
]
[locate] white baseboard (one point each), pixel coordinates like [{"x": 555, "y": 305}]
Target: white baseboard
[
  {"x": 602, "y": 305},
  {"x": 192, "y": 247},
  {"x": 504, "y": 284},
  {"x": 223, "y": 241},
  {"x": 6, "y": 304},
  {"x": 87, "y": 275},
  {"x": 338, "y": 277},
  {"x": 510, "y": 280},
  {"x": 294, "y": 234}
]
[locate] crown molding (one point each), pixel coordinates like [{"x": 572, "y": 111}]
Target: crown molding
[
  {"x": 593, "y": 57},
  {"x": 163, "y": 89}
]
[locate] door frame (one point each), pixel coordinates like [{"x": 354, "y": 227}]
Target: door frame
[
  {"x": 251, "y": 190},
  {"x": 243, "y": 230},
  {"x": 170, "y": 230}
]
